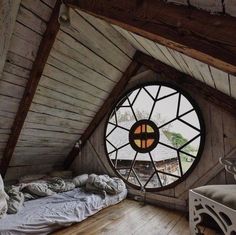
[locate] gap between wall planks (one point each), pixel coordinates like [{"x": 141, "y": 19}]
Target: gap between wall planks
[
  {"x": 210, "y": 94},
  {"x": 35, "y": 75},
  {"x": 112, "y": 98},
  {"x": 196, "y": 33}
]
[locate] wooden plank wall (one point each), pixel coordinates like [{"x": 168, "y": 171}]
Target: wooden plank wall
[
  {"x": 87, "y": 60},
  {"x": 220, "y": 140},
  {"x": 8, "y": 13},
  {"x": 207, "y": 74},
  {"x": 29, "y": 25}
]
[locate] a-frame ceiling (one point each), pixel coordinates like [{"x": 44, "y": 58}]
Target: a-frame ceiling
[
  {"x": 216, "y": 78},
  {"x": 196, "y": 33},
  {"x": 86, "y": 62}
]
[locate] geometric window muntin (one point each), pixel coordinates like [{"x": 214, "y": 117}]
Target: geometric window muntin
[
  {"x": 144, "y": 136},
  {"x": 154, "y": 136}
]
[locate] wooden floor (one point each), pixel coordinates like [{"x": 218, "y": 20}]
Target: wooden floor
[{"x": 131, "y": 217}]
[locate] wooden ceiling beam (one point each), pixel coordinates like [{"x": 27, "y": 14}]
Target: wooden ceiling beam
[
  {"x": 112, "y": 98},
  {"x": 196, "y": 33},
  {"x": 190, "y": 84},
  {"x": 31, "y": 86}
]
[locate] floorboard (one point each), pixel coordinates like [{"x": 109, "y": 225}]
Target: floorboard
[{"x": 131, "y": 217}]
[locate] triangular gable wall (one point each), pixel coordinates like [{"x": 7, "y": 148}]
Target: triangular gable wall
[{"x": 86, "y": 62}]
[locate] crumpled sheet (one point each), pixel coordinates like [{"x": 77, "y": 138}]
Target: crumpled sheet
[
  {"x": 22, "y": 192},
  {"x": 45, "y": 215},
  {"x": 3, "y": 199},
  {"x": 104, "y": 184},
  {"x": 15, "y": 200}
]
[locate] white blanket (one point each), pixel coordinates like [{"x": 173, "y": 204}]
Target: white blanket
[
  {"x": 45, "y": 215},
  {"x": 3, "y": 199}
]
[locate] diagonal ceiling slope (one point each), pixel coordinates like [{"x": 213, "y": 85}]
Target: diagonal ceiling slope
[
  {"x": 84, "y": 65},
  {"x": 218, "y": 79},
  {"x": 196, "y": 33},
  {"x": 86, "y": 62},
  {"x": 23, "y": 46}
]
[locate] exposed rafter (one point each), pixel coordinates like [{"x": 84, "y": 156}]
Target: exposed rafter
[
  {"x": 212, "y": 95},
  {"x": 112, "y": 98},
  {"x": 35, "y": 75},
  {"x": 189, "y": 83},
  {"x": 196, "y": 33}
]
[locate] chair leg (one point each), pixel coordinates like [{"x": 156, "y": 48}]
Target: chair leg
[
  {"x": 194, "y": 217},
  {"x": 222, "y": 215}
]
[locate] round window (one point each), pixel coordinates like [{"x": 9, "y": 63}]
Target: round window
[{"x": 154, "y": 136}]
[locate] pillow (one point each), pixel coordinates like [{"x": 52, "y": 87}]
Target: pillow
[
  {"x": 80, "y": 180},
  {"x": 117, "y": 185},
  {"x": 98, "y": 181},
  {"x": 69, "y": 185},
  {"x": 39, "y": 189},
  {"x": 56, "y": 184},
  {"x": 103, "y": 183},
  {"x": 3, "y": 199}
]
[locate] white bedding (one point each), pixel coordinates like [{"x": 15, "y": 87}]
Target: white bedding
[{"x": 45, "y": 215}]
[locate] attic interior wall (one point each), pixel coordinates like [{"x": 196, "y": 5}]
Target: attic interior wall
[
  {"x": 30, "y": 22},
  {"x": 86, "y": 61},
  {"x": 220, "y": 140},
  {"x": 203, "y": 72}
]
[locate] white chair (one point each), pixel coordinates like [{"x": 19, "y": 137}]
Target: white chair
[{"x": 216, "y": 201}]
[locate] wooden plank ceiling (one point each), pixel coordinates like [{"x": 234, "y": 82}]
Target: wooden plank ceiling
[
  {"x": 41, "y": 58},
  {"x": 205, "y": 73},
  {"x": 193, "y": 32},
  {"x": 86, "y": 62},
  {"x": 19, "y": 59}
]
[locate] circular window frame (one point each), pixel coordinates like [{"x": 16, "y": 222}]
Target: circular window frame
[{"x": 202, "y": 133}]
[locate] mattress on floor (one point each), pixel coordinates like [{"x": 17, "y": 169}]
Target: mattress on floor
[{"x": 48, "y": 214}]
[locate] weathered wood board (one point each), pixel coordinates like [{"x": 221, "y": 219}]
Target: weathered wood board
[{"x": 220, "y": 140}]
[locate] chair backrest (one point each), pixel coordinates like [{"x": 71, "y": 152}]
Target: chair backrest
[
  {"x": 229, "y": 162},
  {"x": 229, "y": 165}
]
